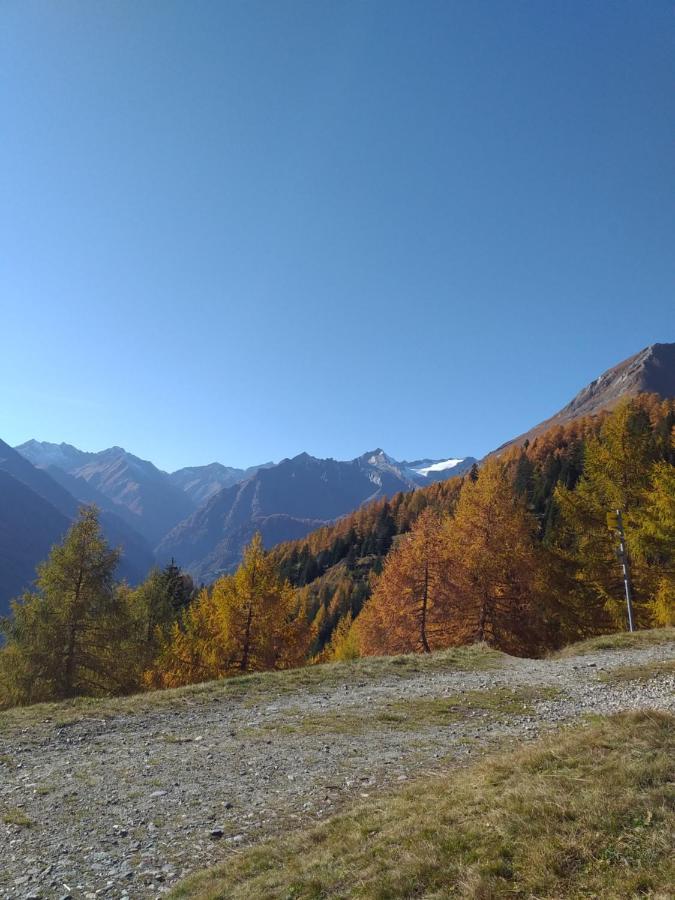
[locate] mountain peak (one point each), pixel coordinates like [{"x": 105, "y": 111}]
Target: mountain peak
[
  {"x": 650, "y": 371},
  {"x": 377, "y": 457}
]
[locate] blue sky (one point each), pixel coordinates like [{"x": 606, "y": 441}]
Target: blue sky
[{"x": 240, "y": 230}]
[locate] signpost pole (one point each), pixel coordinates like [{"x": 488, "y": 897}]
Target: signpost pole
[{"x": 615, "y": 523}]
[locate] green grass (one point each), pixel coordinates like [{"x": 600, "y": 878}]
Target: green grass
[
  {"x": 622, "y": 640},
  {"x": 642, "y": 672},
  {"x": 16, "y": 817},
  {"x": 413, "y": 713},
  {"x": 253, "y": 689},
  {"x": 588, "y": 812}
]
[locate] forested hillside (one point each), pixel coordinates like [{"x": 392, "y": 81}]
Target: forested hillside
[
  {"x": 515, "y": 553},
  {"x": 337, "y": 566}
]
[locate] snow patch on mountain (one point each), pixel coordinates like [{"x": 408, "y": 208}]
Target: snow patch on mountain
[{"x": 441, "y": 466}]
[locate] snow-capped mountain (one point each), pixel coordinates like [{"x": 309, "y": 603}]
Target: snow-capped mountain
[
  {"x": 204, "y": 515},
  {"x": 289, "y": 500}
]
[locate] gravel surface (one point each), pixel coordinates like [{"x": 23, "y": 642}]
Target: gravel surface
[{"x": 126, "y": 806}]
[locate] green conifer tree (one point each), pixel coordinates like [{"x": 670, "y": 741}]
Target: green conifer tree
[{"x": 63, "y": 639}]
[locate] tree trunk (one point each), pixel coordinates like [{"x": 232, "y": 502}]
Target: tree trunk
[
  {"x": 482, "y": 619},
  {"x": 425, "y": 603},
  {"x": 247, "y": 638},
  {"x": 249, "y": 623},
  {"x": 69, "y": 675}
]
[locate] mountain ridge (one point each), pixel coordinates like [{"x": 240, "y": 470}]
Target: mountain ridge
[
  {"x": 649, "y": 371},
  {"x": 284, "y": 502},
  {"x": 134, "y": 488},
  {"x": 31, "y": 495}
]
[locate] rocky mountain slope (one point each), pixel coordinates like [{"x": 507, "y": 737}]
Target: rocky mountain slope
[
  {"x": 35, "y": 513},
  {"x": 134, "y": 488},
  {"x": 29, "y": 526},
  {"x": 200, "y": 483},
  {"x": 651, "y": 371},
  {"x": 286, "y": 502}
]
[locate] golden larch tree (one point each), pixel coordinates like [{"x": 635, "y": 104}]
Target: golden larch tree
[
  {"x": 497, "y": 564},
  {"x": 409, "y": 610}
]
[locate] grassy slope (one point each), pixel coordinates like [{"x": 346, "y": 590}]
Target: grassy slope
[
  {"x": 622, "y": 640},
  {"x": 268, "y": 685},
  {"x": 263, "y": 686},
  {"x": 588, "y": 813}
]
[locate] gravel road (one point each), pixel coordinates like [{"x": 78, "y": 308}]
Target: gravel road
[{"x": 127, "y": 805}]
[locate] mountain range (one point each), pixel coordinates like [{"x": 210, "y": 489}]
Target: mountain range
[
  {"x": 204, "y": 515},
  {"x": 289, "y": 500},
  {"x": 201, "y": 515},
  {"x": 36, "y": 511}
]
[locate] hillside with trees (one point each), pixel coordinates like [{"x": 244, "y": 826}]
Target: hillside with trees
[{"x": 516, "y": 554}]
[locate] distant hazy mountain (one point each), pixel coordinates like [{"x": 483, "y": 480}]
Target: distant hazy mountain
[
  {"x": 205, "y": 515},
  {"x": 29, "y": 527},
  {"x": 200, "y": 483},
  {"x": 63, "y": 456},
  {"x": 651, "y": 371},
  {"x": 141, "y": 494},
  {"x": 35, "y": 513},
  {"x": 287, "y": 501}
]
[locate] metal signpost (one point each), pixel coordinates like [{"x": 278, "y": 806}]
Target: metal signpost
[{"x": 615, "y": 523}]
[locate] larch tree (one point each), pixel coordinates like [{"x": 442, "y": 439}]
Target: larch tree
[
  {"x": 496, "y": 561},
  {"x": 344, "y": 644},
  {"x": 654, "y": 541},
  {"x": 63, "y": 639},
  {"x": 195, "y": 647},
  {"x": 260, "y": 615},
  {"x": 246, "y": 622},
  {"x": 616, "y": 471},
  {"x": 409, "y": 610}
]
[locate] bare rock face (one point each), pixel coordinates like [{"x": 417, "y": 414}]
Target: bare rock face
[{"x": 651, "y": 371}]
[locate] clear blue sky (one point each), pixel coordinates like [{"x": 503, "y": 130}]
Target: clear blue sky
[{"x": 240, "y": 230}]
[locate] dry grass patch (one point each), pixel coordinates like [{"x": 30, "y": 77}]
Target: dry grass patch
[
  {"x": 622, "y": 640},
  {"x": 643, "y": 672},
  {"x": 16, "y": 817},
  {"x": 412, "y": 714},
  {"x": 584, "y": 813},
  {"x": 253, "y": 689}
]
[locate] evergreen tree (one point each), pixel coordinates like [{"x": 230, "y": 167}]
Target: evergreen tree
[
  {"x": 65, "y": 638},
  {"x": 178, "y": 586}
]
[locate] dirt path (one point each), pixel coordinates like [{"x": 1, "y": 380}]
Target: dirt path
[{"x": 128, "y": 805}]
